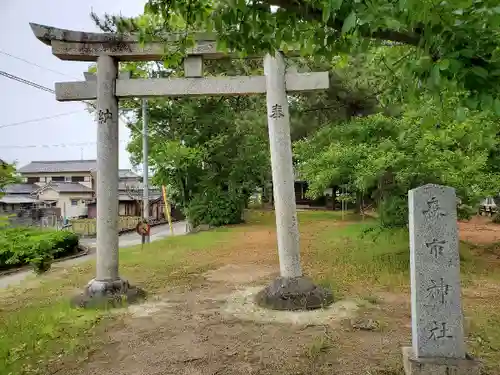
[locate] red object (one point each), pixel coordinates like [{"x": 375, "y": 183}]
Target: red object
[{"x": 143, "y": 229}]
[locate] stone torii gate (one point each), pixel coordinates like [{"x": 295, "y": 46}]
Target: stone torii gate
[{"x": 291, "y": 291}]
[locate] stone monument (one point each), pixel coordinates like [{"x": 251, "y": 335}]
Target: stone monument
[
  {"x": 291, "y": 290},
  {"x": 438, "y": 345}
]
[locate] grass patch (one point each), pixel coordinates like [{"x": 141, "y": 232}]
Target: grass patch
[
  {"x": 37, "y": 323},
  {"x": 354, "y": 255}
]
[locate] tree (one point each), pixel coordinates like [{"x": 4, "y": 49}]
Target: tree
[
  {"x": 420, "y": 58},
  {"x": 456, "y": 41},
  {"x": 212, "y": 153},
  {"x": 7, "y": 174},
  {"x": 386, "y": 156}
]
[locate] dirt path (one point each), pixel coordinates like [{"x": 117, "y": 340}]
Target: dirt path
[
  {"x": 479, "y": 230},
  {"x": 189, "y": 331}
]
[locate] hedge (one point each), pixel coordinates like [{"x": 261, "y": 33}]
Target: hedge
[{"x": 21, "y": 246}]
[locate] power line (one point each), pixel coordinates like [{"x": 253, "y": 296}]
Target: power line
[
  {"x": 34, "y": 64},
  {"x": 25, "y": 81},
  {"x": 39, "y": 119},
  {"x": 36, "y": 85},
  {"x": 62, "y": 145}
]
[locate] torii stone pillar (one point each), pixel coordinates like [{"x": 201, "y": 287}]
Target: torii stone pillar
[
  {"x": 291, "y": 291},
  {"x": 107, "y": 165},
  {"x": 107, "y": 287}
]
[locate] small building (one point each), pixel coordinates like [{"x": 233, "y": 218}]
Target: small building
[
  {"x": 70, "y": 197},
  {"x": 17, "y": 197}
]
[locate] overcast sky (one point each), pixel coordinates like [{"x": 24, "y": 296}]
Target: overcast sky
[{"x": 20, "y": 102}]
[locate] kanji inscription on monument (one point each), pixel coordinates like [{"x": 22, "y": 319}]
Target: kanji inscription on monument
[
  {"x": 104, "y": 116},
  {"x": 277, "y": 112},
  {"x": 437, "y": 321}
]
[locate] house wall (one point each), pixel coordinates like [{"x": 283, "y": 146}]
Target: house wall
[
  {"x": 68, "y": 209},
  {"x": 64, "y": 201},
  {"x": 125, "y": 208},
  {"x": 48, "y": 195},
  {"x": 129, "y": 208},
  {"x": 44, "y": 178}
]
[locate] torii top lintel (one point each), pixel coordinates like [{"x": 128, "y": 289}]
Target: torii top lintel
[{"x": 84, "y": 46}]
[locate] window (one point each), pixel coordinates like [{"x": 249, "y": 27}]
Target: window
[
  {"x": 32, "y": 180},
  {"x": 86, "y": 179},
  {"x": 67, "y": 179},
  {"x": 77, "y": 178},
  {"x": 74, "y": 202},
  {"x": 58, "y": 178}
]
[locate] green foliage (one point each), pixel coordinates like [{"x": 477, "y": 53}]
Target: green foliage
[
  {"x": 393, "y": 211},
  {"x": 7, "y": 174},
  {"x": 216, "y": 208},
  {"x": 41, "y": 262},
  {"x": 386, "y": 156},
  {"x": 210, "y": 148},
  {"x": 21, "y": 246},
  {"x": 454, "y": 42}
]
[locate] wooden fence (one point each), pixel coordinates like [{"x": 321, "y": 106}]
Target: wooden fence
[{"x": 87, "y": 227}]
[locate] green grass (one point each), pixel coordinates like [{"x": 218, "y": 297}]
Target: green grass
[
  {"x": 359, "y": 255},
  {"x": 353, "y": 260},
  {"x": 37, "y": 324}
]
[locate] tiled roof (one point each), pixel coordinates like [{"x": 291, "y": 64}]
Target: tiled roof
[
  {"x": 17, "y": 199},
  {"x": 69, "y": 187},
  {"x": 19, "y": 188},
  {"x": 136, "y": 186},
  {"x": 127, "y": 173},
  {"x": 59, "y": 166}
]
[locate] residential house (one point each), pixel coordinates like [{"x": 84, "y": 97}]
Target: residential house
[
  {"x": 65, "y": 184},
  {"x": 130, "y": 197},
  {"x": 71, "y": 197},
  {"x": 60, "y": 171},
  {"x": 18, "y": 197},
  {"x": 70, "y": 185}
]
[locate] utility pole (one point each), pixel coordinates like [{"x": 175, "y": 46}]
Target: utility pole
[{"x": 145, "y": 178}]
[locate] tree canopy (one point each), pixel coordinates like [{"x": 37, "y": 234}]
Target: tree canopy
[
  {"x": 7, "y": 174},
  {"x": 456, "y": 41},
  {"x": 413, "y": 99}
]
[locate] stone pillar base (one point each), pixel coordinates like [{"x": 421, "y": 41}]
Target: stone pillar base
[
  {"x": 438, "y": 366},
  {"x": 293, "y": 293},
  {"x": 98, "y": 294}
]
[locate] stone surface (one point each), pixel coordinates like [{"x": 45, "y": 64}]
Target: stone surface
[
  {"x": 282, "y": 166},
  {"x": 88, "y": 46},
  {"x": 193, "y": 66},
  {"x": 437, "y": 320},
  {"x": 108, "y": 294},
  {"x": 438, "y": 366},
  {"x": 293, "y": 293},
  {"x": 157, "y": 87},
  {"x": 242, "y": 305},
  {"x": 107, "y": 165}
]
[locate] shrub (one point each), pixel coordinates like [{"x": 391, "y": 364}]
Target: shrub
[
  {"x": 22, "y": 246},
  {"x": 216, "y": 207}
]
